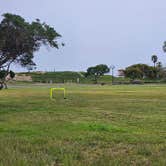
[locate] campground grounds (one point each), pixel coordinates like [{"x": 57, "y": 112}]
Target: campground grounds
[{"x": 94, "y": 126}]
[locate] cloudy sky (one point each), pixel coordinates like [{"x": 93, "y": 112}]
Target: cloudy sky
[{"x": 96, "y": 31}]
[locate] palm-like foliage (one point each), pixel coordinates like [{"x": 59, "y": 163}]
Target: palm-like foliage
[{"x": 154, "y": 59}]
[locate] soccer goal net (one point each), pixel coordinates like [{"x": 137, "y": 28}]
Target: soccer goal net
[{"x": 57, "y": 93}]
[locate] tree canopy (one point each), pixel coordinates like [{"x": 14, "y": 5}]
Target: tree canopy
[
  {"x": 140, "y": 71},
  {"x": 20, "y": 39},
  {"x": 97, "y": 71}
]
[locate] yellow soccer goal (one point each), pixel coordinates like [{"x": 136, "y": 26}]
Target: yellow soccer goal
[{"x": 56, "y": 90}]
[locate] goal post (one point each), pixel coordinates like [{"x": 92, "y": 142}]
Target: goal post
[{"x": 57, "y": 89}]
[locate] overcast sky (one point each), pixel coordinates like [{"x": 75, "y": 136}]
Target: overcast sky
[{"x": 119, "y": 32}]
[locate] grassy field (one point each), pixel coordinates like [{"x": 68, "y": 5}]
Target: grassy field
[{"x": 94, "y": 126}]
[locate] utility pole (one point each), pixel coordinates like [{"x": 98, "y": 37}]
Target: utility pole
[{"x": 112, "y": 67}]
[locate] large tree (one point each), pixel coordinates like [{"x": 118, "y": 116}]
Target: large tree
[
  {"x": 140, "y": 71},
  {"x": 97, "y": 71},
  {"x": 20, "y": 39}
]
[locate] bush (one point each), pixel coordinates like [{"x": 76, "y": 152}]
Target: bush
[
  {"x": 103, "y": 83},
  {"x": 137, "y": 82}
]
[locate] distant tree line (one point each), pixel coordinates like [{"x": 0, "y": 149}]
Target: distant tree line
[{"x": 144, "y": 71}]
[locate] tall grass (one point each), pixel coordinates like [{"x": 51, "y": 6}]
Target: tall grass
[{"x": 94, "y": 126}]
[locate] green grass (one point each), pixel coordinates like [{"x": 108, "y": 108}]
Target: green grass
[
  {"x": 58, "y": 77},
  {"x": 72, "y": 77},
  {"x": 94, "y": 126},
  {"x": 68, "y": 77}
]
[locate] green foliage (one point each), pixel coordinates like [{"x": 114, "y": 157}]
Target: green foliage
[
  {"x": 1, "y": 86},
  {"x": 133, "y": 73},
  {"x": 95, "y": 126},
  {"x": 154, "y": 59},
  {"x": 12, "y": 74},
  {"x": 97, "y": 71},
  {"x": 72, "y": 77},
  {"x": 140, "y": 71},
  {"x": 3, "y": 74},
  {"x": 56, "y": 77},
  {"x": 66, "y": 77},
  {"x": 20, "y": 39}
]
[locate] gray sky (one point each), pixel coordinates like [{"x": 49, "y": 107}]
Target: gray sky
[{"x": 119, "y": 32}]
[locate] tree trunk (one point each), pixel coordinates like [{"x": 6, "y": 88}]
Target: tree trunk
[
  {"x": 1, "y": 85},
  {"x": 5, "y": 85},
  {"x": 95, "y": 79}
]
